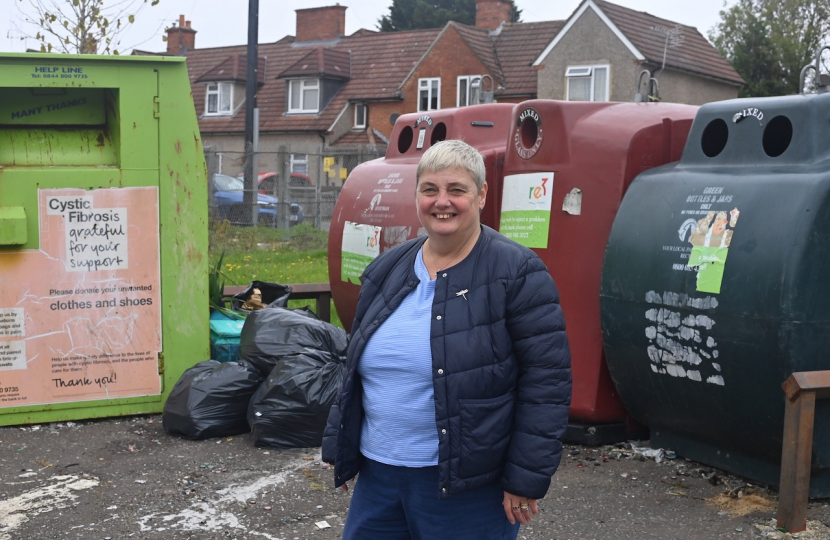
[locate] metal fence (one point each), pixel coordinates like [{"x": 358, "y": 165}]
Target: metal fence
[{"x": 314, "y": 183}]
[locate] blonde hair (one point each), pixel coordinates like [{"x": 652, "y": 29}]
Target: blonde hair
[{"x": 452, "y": 153}]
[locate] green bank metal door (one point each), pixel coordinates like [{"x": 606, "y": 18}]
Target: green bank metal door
[{"x": 81, "y": 318}]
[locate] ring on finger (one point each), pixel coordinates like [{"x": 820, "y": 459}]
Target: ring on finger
[
  {"x": 515, "y": 507},
  {"x": 524, "y": 507}
]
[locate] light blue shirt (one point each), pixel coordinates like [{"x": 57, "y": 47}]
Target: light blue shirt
[{"x": 396, "y": 371}]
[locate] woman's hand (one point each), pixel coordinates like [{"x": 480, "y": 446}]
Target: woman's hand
[{"x": 519, "y": 508}]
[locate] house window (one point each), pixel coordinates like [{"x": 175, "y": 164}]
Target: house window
[
  {"x": 360, "y": 115},
  {"x": 304, "y": 96},
  {"x": 299, "y": 163},
  {"x": 587, "y": 83},
  {"x": 219, "y": 98},
  {"x": 429, "y": 94},
  {"x": 468, "y": 85}
]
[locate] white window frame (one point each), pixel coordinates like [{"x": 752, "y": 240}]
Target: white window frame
[
  {"x": 588, "y": 71},
  {"x": 464, "y": 100},
  {"x": 303, "y": 86},
  {"x": 425, "y": 85},
  {"x": 217, "y": 91},
  {"x": 299, "y": 163},
  {"x": 360, "y": 123}
]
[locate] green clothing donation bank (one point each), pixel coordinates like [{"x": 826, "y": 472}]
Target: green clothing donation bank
[{"x": 103, "y": 235}]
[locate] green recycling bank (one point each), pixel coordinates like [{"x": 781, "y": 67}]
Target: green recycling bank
[{"x": 103, "y": 235}]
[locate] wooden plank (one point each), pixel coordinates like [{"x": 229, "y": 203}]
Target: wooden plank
[
  {"x": 814, "y": 381},
  {"x": 321, "y": 292},
  {"x": 795, "y": 462}
]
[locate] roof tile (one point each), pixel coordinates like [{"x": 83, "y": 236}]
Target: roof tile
[
  {"x": 321, "y": 62},
  {"x": 378, "y": 64},
  {"x": 233, "y": 68},
  {"x": 518, "y": 45},
  {"x": 687, "y": 49},
  {"x": 479, "y": 41}
]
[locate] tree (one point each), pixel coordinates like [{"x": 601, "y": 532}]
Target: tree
[
  {"x": 769, "y": 41},
  {"x": 416, "y": 14},
  {"x": 80, "y": 26}
]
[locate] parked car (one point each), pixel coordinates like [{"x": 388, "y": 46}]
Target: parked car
[
  {"x": 268, "y": 182},
  {"x": 228, "y": 193}
]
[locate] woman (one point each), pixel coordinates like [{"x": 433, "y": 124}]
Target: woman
[{"x": 458, "y": 383}]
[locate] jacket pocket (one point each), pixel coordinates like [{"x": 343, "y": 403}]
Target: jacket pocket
[{"x": 486, "y": 425}]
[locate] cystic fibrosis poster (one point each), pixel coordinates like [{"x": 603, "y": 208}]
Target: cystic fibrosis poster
[
  {"x": 360, "y": 246},
  {"x": 80, "y": 318},
  {"x": 525, "y": 208}
]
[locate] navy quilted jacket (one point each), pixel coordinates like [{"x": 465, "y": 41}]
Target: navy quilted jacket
[{"x": 501, "y": 367}]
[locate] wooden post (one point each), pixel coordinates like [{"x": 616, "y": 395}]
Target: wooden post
[
  {"x": 318, "y": 218},
  {"x": 795, "y": 462},
  {"x": 284, "y": 170},
  {"x": 802, "y": 389}
]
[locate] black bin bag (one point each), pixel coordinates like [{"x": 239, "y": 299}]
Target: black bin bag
[
  {"x": 273, "y": 295},
  {"x": 290, "y": 409},
  {"x": 274, "y": 332},
  {"x": 211, "y": 400}
]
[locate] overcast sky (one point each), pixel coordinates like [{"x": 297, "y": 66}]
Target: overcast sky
[{"x": 224, "y": 22}]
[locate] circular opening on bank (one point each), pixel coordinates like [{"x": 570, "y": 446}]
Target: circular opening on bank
[
  {"x": 529, "y": 132},
  {"x": 439, "y": 133},
  {"x": 405, "y": 139},
  {"x": 715, "y": 135},
  {"x": 777, "y": 136}
]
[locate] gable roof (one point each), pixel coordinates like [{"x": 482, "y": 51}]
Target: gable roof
[
  {"x": 377, "y": 63},
  {"x": 517, "y": 46},
  {"x": 645, "y": 35},
  {"x": 234, "y": 68},
  {"x": 479, "y": 40},
  {"x": 693, "y": 53},
  {"x": 372, "y": 66},
  {"x": 382, "y": 61},
  {"x": 321, "y": 62}
]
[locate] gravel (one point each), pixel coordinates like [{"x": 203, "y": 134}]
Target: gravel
[{"x": 126, "y": 478}]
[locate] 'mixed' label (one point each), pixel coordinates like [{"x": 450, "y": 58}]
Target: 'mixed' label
[
  {"x": 527, "y": 115},
  {"x": 746, "y": 113}
]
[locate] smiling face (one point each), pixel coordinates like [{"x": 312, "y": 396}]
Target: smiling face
[{"x": 449, "y": 204}]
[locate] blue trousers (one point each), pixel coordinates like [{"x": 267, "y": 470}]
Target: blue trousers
[{"x": 401, "y": 503}]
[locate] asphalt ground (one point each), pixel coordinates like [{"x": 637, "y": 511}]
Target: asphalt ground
[{"x": 126, "y": 478}]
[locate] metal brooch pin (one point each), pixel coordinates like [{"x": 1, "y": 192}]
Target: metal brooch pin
[{"x": 463, "y": 293}]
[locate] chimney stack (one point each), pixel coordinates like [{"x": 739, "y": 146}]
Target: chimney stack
[
  {"x": 321, "y": 24},
  {"x": 181, "y": 38},
  {"x": 490, "y": 14}
]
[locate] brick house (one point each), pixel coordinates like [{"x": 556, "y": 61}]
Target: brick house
[
  {"x": 602, "y": 48},
  {"x": 321, "y": 90}
]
